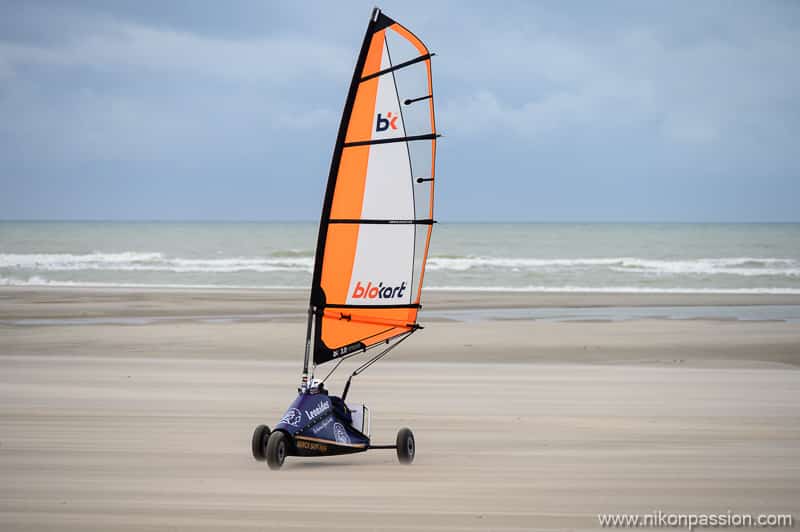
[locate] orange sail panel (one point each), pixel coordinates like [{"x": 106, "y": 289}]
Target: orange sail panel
[{"x": 378, "y": 210}]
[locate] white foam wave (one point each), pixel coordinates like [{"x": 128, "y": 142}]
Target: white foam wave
[
  {"x": 747, "y": 266},
  {"x": 38, "y": 281},
  {"x": 129, "y": 261},
  {"x": 155, "y": 262},
  {"x": 28, "y": 260},
  {"x": 615, "y": 290}
]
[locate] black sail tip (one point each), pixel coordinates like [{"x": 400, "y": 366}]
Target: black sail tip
[{"x": 380, "y": 21}]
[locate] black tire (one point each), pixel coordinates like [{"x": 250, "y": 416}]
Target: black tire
[
  {"x": 260, "y": 437},
  {"x": 277, "y": 449},
  {"x": 406, "y": 447}
]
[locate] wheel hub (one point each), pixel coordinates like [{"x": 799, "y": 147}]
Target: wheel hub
[{"x": 281, "y": 452}]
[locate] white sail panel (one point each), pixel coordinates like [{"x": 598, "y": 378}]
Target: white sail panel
[{"x": 383, "y": 261}]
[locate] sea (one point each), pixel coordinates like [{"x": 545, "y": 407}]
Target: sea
[{"x": 505, "y": 257}]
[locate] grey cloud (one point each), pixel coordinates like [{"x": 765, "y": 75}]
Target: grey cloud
[{"x": 609, "y": 111}]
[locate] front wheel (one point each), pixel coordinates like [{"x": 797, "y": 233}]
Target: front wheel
[
  {"x": 260, "y": 437},
  {"x": 405, "y": 446},
  {"x": 277, "y": 449}
]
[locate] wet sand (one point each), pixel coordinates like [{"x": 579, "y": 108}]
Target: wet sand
[
  {"x": 18, "y": 303},
  {"x": 519, "y": 424}
]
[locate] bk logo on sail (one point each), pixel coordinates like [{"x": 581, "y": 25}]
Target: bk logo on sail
[{"x": 385, "y": 123}]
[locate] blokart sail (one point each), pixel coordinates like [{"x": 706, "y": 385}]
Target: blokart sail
[
  {"x": 372, "y": 245},
  {"x": 377, "y": 214}
]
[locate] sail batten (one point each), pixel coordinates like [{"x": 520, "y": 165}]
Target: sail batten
[
  {"x": 397, "y": 67},
  {"x": 377, "y": 214},
  {"x": 427, "y": 136},
  {"x": 374, "y": 221}
]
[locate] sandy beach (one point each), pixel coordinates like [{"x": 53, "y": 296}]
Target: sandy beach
[
  {"x": 133, "y": 410},
  {"x": 574, "y": 222}
]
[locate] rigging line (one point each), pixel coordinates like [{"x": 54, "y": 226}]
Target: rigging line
[
  {"x": 374, "y": 359},
  {"x": 359, "y": 351},
  {"x": 351, "y": 355},
  {"x": 334, "y": 369},
  {"x": 380, "y": 355},
  {"x": 373, "y": 335},
  {"x": 427, "y": 136},
  {"x": 373, "y": 346},
  {"x": 383, "y": 331},
  {"x": 396, "y": 67}
]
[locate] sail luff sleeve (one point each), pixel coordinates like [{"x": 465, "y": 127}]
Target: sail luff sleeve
[
  {"x": 370, "y": 254},
  {"x": 317, "y": 298}
]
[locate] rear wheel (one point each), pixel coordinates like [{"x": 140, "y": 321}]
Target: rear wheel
[
  {"x": 260, "y": 437},
  {"x": 277, "y": 449},
  {"x": 405, "y": 446}
]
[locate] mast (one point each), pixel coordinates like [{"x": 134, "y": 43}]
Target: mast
[
  {"x": 316, "y": 299},
  {"x": 304, "y": 378}
]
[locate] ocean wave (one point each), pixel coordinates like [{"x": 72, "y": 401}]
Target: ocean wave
[
  {"x": 43, "y": 259},
  {"x": 615, "y": 290},
  {"x": 302, "y": 262},
  {"x": 38, "y": 281},
  {"x": 743, "y": 265},
  {"x": 155, "y": 262},
  {"x": 293, "y": 253},
  {"x": 747, "y": 266}
]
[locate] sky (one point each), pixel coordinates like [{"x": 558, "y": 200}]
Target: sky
[{"x": 551, "y": 111}]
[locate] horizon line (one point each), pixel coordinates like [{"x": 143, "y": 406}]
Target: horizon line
[{"x": 457, "y": 221}]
